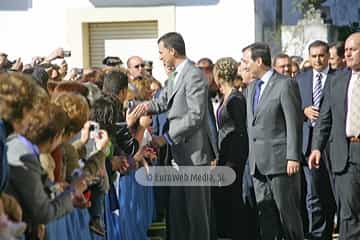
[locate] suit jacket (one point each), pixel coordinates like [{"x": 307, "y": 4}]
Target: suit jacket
[
  {"x": 233, "y": 138},
  {"x": 305, "y": 81},
  {"x": 187, "y": 110},
  {"x": 331, "y": 125},
  {"x": 275, "y": 129}
]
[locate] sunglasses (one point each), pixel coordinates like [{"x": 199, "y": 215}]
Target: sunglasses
[{"x": 139, "y": 65}]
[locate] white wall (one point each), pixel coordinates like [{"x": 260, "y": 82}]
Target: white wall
[
  {"x": 215, "y": 30},
  {"x": 37, "y": 31}
]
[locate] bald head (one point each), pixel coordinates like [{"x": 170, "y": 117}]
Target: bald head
[
  {"x": 136, "y": 67},
  {"x": 352, "y": 51}
]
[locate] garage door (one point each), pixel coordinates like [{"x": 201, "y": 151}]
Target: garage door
[{"x": 101, "y": 34}]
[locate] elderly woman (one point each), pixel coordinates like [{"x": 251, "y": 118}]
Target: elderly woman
[{"x": 233, "y": 151}]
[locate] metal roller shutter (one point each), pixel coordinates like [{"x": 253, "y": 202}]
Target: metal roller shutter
[{"x": 99, "y": 32}]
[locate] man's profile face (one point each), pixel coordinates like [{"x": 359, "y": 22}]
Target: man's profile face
[
  {"x": 249, "y": 64},
  {"x": 166, "y": 55},
  {"x": 283, "y": 66},
  {"x": 319, "y": 58},
  {"x": 136, "y": 67}
]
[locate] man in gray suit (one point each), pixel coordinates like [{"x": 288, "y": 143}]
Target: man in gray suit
[
  {"x": 185, "y": 98},
  {"x": 339, "y": 126},
  {"x": 274, "y": 121}
]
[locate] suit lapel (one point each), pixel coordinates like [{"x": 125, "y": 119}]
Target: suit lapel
[
  {"x": 179, "y": 81},
  {"x": 266, "y": 93}
]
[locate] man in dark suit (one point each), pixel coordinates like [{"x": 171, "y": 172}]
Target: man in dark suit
[
  {"x": 320, "y": 201},
  {"x": 339, "y": 124},
  {"x": 185, "y": 98},
  {"x": 275, "y": 133}
]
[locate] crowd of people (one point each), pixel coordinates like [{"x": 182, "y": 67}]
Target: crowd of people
[{"x": 71, "y": 142}]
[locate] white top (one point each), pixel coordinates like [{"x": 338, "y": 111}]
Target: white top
[
  {"x": 354, "y": 76},
  {"x": 265, "y": 78}
]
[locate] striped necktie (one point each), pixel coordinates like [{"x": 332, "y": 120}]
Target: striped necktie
[{"x": 317, "y": 91}]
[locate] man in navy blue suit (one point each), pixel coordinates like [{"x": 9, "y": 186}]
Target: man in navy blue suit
[{"x": 320, "y": 201}]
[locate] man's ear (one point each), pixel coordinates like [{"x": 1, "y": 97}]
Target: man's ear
[
  {"x": 172, "y": 51},
  {"x": 259, "y": 61}
]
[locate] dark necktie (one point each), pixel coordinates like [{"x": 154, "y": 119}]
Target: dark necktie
[{"x": 256, "y": 99}]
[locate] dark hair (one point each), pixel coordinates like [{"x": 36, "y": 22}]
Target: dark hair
[
  {"x": 260, "y": 50},
  {"x": 107, "y": 111},
  {"x": 279, "y": 56},
  {"x": 173, "y": 40},
  {"x": 207, "y": 60},
  {"x": 340, "y": 48},
  {"x": 41, "y": 77},
  {"x": 114, "y": 82},
  {"x": 319, "y": 43},
  {"x": 28, "y": 71},
  {"x": 93, "y": 75}
]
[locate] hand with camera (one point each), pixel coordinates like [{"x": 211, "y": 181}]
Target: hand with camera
[{"x": 58, "y": 53}]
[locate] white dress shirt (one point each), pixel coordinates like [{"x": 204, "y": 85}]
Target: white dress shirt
[{"x": 354, "y": 77}]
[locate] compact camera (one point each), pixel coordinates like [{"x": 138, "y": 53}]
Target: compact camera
[{"x": 94, "y": 130}]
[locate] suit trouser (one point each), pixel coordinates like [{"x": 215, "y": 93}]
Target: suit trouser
[
  {"x": 347, "y": 184},
  {"x": 189, "y": 213},
  {"x": 320, "y": 202},
  {"x": 278, "y": 201}
]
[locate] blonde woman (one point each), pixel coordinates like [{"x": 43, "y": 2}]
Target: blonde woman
[{"x": 233, "y": 151}]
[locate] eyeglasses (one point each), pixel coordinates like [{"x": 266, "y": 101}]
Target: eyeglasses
[{"x": 142, "y": 65}]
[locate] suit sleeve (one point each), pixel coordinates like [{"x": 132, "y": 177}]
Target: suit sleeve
[
  {"x": 322, "y": 127},
  {"x": 159, "y": 104},
  {"x": 291, "y": 104},
  {"x": 196, "y": 90}
]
